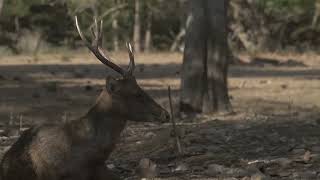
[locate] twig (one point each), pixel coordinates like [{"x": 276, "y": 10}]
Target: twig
[
  {"x": 65, "y": 117},
  {"x": 10, "y": 120},
  {"x": 20, "y": 124},
  {"x": 177, "y": 137}
]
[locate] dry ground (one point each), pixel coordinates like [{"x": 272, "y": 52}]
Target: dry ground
[{"x": 274, "y": 133}]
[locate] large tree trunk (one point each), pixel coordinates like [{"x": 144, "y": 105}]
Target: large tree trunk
[
  {"x": 195, "y": 54},
  {"x": 137, "y": 27},
  {"x": 205, "y": 62},
  {"x": 216, "y": 97}
]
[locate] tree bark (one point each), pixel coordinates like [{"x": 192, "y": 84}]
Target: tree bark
[
  {"x": 205, "y": 63},
  {"x": 137, "y": 27},
  {"x": 194, "y": 60},
  {"x": 216, "y": 98}
]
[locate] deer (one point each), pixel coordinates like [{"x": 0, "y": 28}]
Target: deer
[{"x": 78, "y": 149}]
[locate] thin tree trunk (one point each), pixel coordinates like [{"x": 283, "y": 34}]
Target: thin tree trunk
[
  {"x": 15, "y": 48},
  {"x": 115, "y": 35},
  {"x": 195, "y": 54},
  {"x": 1, "y": 6},
  {"x": 148, "y": 34},
  {"x": 178, "y": 38},
  {"x": 216, "y": 97},
  {"x": 115, "y": 29},
  {"x": 316, "y": 14},
  {"x": 183, "y": 26},
  {"x": 137, "y": 27},
  {"x": 38, "y": 45},
  {"x": 17, "y": 24}
]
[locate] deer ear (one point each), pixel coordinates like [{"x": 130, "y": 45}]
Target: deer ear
[{"x": 111, "y": 84}]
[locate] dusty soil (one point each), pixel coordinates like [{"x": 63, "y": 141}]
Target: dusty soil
[{"x": 273, "y": 134}]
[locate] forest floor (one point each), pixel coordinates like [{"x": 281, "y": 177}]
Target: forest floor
[{"x": 273, "y": 134}]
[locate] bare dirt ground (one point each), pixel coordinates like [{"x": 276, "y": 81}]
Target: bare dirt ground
[{"x": 273, "y": 134}]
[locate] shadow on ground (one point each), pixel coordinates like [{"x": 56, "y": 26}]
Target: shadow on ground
[{"x": 262, "y": 129}]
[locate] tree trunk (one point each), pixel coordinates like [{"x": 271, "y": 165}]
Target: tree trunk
[
  {"x": 148, "y": 34},
  {"x": 205, "y": 63},
  {"x": 316, "y": 14},
  {"x": 16, "y": 38},
  {"x": 38, "y": 45},
  {"x": 115, "y": 29},
  {"x": 1, "y": 6},
  {"x": 183, "y": 26},
  {"x": 216, "y": 98},
  {"x": 194, "y": 59},
  {"x": 115, "y": 37},
  {"x": 137, "y": 27},
  {"x": 178, "y": 38}
]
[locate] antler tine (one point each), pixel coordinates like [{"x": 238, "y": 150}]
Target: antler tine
[
  {"x": 131, "y": 57},
  {"x": 100, "y": 34},
  {"x": 95, "y": 33},
  {"x": 84, "y": 39},
  {"x": 96, "y": 50}
]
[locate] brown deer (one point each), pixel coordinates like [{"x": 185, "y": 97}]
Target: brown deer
[{"x": 78, "y": 149}]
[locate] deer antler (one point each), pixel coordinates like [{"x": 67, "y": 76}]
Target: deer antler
[
  {"x": 96, "y": 49},
  {"x": 131, "y": 57}
]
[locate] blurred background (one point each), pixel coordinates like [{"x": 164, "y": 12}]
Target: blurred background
[{"x": 44, "y": 26}]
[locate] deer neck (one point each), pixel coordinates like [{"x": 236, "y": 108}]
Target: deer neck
[
  {"x": 101, "y": 122},
  {"x": 103, "y": 118}
]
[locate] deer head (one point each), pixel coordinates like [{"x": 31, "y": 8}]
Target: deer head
[{"x": 123, "y": 96}]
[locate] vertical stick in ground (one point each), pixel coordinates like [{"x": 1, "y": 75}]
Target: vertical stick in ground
[{"x": 177, "y": 137}]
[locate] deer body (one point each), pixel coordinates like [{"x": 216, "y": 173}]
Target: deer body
[
  {"x": 78, "y": 149},
  {"x": 72, "y": 150}
]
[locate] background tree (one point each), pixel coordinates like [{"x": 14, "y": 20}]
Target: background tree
[
  {"x": 137, "y": 26},
  {"x": 261, "y": 25},
  {"x": 316, "y": 13},
  {"x": 1, "y": 6},
  {"x": 205, "y": 62}
]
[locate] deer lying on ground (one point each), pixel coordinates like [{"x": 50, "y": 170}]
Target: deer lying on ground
[{"x": 77, "y": 150}]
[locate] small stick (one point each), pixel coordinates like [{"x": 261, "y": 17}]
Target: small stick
[
  {"x": 10, "y": 120},
  {"x": 65, "y": 117},
  {"x": 20, "y": 124},
  {"x": 177, "y": 138}
]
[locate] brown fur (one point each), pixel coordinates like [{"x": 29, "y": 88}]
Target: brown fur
[{"x": 78, "y": 149}]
